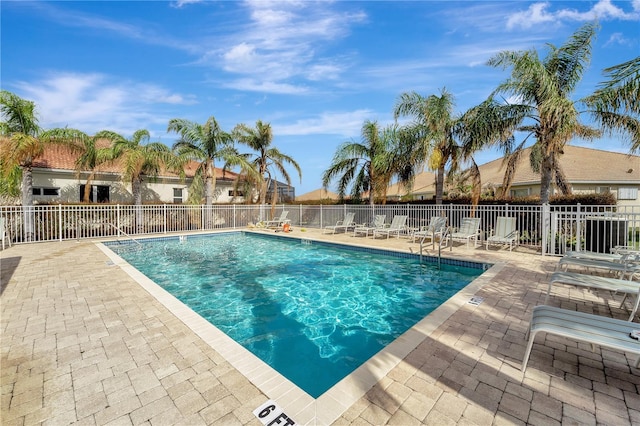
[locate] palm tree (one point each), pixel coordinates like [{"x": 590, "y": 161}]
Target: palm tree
[
  {"x": 268, "y": 161},
  {"x": 433, "y": 129},
  {"x": 22, "y": 142},
  {"x": 140, "y": 159},
  {"x": 616, "y": 104},
  {"x": 544, "y": 109},
  {"x": 368, "y": 165},
  {"x": 204, "y": 143}
]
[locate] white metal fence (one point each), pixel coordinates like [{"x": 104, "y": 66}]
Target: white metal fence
[{"x": 549, "y": 228}]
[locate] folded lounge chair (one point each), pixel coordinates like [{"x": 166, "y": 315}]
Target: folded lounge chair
[
  {"x": 277, "y": 222},
  {"x": 436, "y": 228},
  {"x": 398, "y": 225},
  {"x": 469, "y": 230},
  {"x": 378, "y": 223},
  {"x": 344, "y": 225},
  {"x": 594, "y": 329},
  {"x": 600, "y": 283},
  {"x": 504, "y": 233}
]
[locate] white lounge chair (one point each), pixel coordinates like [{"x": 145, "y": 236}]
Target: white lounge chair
[
  {"x": 603, "y": 331},
  {"x": 378, "y": 223},
  {"x": 626, "y": 267},
  {"x": 468, "y": 231},
  {"x": 436, "y": 228},
  {"x": 398, "y": 225},
  {"x": 600, "y": 283},
  {"x": 345, "y": 224},
  {"x": 277, "y": 222},
  {"x": 505, "y": 232},
  {"x": 3, "y": 232}
]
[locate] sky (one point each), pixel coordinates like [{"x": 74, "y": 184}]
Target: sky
[{"x": 316, "y": 71}]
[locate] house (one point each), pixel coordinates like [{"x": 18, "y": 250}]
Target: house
[
  {"x": 587, "y": 170},
  {"x": 55, "y": 180}
]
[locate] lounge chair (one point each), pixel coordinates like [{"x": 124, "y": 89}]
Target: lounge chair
[
  {"x": 277, "y": 223},
  {"x": 469, "y": 231},
  {"x": 378, "y": 223},
  {"x": 436, "y": 228},
  {"x": 505, "y": 232},
  {"x": 625, "y": 267},
  {"x": 345, "y": 224},
  {"x": 600, "y": 283},
  {"x": 3, "y": 232},
  {"x": 398, "y": 225},
  {"x": 603, "y": 331}
]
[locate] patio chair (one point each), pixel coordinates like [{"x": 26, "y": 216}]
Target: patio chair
[
  {"x": 505, "y": 232},
  {"x": 597, "y": 282},
  {"x": 378, "y": 223},
  {"x": 468, "y": 231},
  {"x": 344, "y": 224},
  {"x": 276, "y": 223},
  {"x": 3, "y": 232},
  {"x": 398, "y": 225},
  {"x": 594, "y": 329},
  {"x": 436, "y": 228}
]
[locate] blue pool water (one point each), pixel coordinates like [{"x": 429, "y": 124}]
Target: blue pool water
[{"x": 314, "y": 312}]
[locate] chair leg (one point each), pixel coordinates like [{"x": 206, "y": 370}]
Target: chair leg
[{"x": 527, "y": 352}]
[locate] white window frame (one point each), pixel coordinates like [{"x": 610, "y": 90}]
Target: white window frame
[
  {"x": 40, "y": 191},
  {"x": 178, "y": 199},
  {"x": 627, "y": 193}
]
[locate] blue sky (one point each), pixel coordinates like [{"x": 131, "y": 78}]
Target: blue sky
[{"x": 314, "y": 70}]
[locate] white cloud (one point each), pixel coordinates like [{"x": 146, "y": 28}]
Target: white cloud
[
  {"x": 180, "y": 3},
  {"x": 93, "y": 102},
  {"x": 618, "y": 38},
  {"x": 282, "y": 45},
  {"x": 347, "y": 124},
  {"x": 539, "y": 13}
]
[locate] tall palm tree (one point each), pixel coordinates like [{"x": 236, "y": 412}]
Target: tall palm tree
[
  {"x": 433, "y": 126},
  {"x": 22, "y": 141},
  {"x": 268, "y": 161},
  {"x": 204, "y": 143},
  {"x": 141, "y": 159},
  {"x": 368, "y": 165},
  {"x": 616, "y": 104},
  {"x": 544, "y": 109}
]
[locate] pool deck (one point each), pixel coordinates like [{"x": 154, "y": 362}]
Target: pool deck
[{"x": 84, "y": 341}]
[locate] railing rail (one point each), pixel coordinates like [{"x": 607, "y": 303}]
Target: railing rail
[{"x": 550, "y": 229}]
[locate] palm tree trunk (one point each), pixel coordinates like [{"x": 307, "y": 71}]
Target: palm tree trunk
[
  {"x": 27, "y": 202},
  {"x": 546, "y": 171},
  {"x": 439, "y": 184},
  {"x": 86, "y": 197},
  {"x": 136, "y": 189}
]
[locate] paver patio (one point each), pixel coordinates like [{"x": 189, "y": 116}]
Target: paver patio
[{"x": 83, "y": 343}]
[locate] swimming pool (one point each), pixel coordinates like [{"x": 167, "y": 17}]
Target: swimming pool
[{"x": 314, "y": 312}]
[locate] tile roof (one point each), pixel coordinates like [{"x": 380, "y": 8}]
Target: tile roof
[
  {"x": 580, "y": 165},
  {"x": 318, "y": 194},
  {"x": 59, "y": 157}
]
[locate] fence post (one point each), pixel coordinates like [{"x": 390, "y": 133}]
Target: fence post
[
  {"x": 578, "y": 230},
  {"x": 60, "y": 221},
  {"x": 320, "y": 216},
  {"x": 234, "y": 216},
  {"x": 118, "y": 215},
  {"x": 164, "y": 211},
  {"x": 545, "y": 226}
]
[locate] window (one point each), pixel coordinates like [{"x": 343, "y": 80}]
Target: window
[
  {"x": 603, "y": 189},
  {"x": 99, "y": 193},
  {"x": 627, "y": 193},
  {"x": 52, "y": 192},
  {"x": 233, "y": 193},
  {"x": 177, "y": 195},
  {"x": 519, "y": 193}
]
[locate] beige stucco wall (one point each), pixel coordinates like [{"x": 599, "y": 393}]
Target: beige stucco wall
[{"x": 158, "y": 190}]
